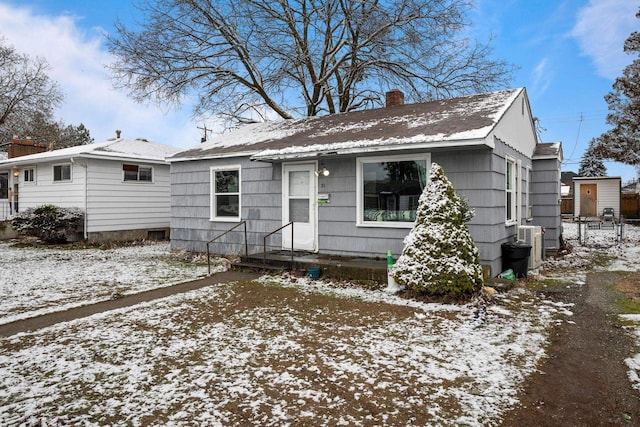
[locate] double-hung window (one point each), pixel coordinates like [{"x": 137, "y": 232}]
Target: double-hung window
[
  {"x": 529, "y": 193},
  {"x": 388, "y": 189},
  {"x": 511, "y": 191},
  {"x": 225, "y": 193},
  {"x": 62, "y": 172},
  {"x": 29, "y": 175},
  {"x": 132, "y": 172}
]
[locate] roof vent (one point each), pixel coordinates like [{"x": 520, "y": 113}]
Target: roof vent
[
  {"x": 118, "y": 132},
  {"x": 395, "y": 97}
]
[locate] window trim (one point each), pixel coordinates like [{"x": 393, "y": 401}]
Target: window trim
[
  {"x": 213, "y": 194},
  {"x": 516, "y": 194},
  {"x": 360, "y": 161},
  {"x": 53, "y": 170},
  {"x": 33, "y": 181},
  {"x": 138, "y": 180},
  {"x": 529, "y": 190}
]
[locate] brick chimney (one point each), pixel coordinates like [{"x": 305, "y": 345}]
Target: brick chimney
[
  {"x": 395, "y": 97},
  {"x": 24, "y": 147}
]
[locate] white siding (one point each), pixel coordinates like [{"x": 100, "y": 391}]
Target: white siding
[
  {"x": 44, "y": 191},
  {"x": 516, "y": 127},
  {"x": 97, "y": 186},
  {"x": 113, "y": 204},
  {"x": 608, "y": 193}
]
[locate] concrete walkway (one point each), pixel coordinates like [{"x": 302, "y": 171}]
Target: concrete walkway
[{"x": 38, "y": 322}]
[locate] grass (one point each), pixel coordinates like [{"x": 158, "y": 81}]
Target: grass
[
  {"x": 270, "y": 353},
  {"x": 628, "y": 290}
]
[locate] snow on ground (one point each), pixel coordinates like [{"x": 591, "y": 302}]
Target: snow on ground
[
  {"x": 262, "y": 366},
  {"x": 208, "y": 357},
  {"x": 35, "y": 281}
]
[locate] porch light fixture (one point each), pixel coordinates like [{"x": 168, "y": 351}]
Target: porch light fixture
[
  {"x": 323, "y": 171},
  {"x": 16, "y": 173}
]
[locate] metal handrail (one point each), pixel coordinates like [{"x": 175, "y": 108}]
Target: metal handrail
[
  {"x": 246, "y": 252},
  {"x": 264, "y": 244}
]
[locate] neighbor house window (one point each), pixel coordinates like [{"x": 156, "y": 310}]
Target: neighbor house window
[
  {"x": 4, "y": 185},
  {"x": 389, "y": 189},
  {"x": 137, "y": 173},
  {"x": 225, "y": 194},
  {"x": 62, "y": 172},
  {"x": 511, "y": 192},
  {"x": 29, "y": 175}
]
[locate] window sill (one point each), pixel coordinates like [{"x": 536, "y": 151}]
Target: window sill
[
  {"x": 383, "y": 224},
  {"x": 225, "y": 219}
]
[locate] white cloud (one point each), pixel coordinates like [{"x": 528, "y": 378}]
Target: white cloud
[
  {"x": 542, "y": 76},
  {"x": 601, "y": 29},
  {"x": 77, "y": 58}
]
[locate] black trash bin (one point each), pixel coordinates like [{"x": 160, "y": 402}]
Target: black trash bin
[{"x": 515, "y": 256}]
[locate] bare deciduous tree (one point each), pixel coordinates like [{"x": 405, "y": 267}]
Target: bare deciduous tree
[
  {"x": 300, "y": 57},
  {"x": 25, "y": 91}
]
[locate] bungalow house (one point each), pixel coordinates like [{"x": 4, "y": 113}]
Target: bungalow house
[
  {"x": 350, "y": 182},
  {"x": 122, "y": 185}
]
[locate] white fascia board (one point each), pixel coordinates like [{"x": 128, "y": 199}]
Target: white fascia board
[
  {"x": 374, "y": 149},
  {"x": 212, "y": 156}
]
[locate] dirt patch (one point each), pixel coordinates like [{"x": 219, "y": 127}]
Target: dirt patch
[
  {"x": 584, "y": 379},
  {"x": 629, "y": 285}
]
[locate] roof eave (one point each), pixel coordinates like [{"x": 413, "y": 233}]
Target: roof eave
[
  {"x": 52, "y": 159},
  {"x": 211, "y": 156},
  {"x": 369, "y": 150}
]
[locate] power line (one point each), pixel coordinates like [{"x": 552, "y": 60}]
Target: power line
[{"x": 577, "y": 136}]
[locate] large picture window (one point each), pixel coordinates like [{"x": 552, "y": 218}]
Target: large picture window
[
  {"x": 62, "y": 173},
  {"x": 389, "y": 189},
  {"x": 225, "y": 194}
]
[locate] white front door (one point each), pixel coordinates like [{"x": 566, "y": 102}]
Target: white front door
[{"x": 298, "y": 205}]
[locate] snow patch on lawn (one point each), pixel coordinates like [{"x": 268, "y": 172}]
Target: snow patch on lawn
[
  {"x": 36, "y": 281},
  {"x": 158, "y": 358}
]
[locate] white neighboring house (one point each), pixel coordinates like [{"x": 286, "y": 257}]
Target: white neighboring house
[{"x": 122, "y": 185}]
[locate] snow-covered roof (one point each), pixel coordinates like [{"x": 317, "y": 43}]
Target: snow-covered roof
[
  {"x": 548, "y": 150},
  {"x": 119, "y": 148},
  {"x": 461, "y": 121}
]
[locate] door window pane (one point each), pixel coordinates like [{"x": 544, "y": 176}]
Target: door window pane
[
  {"x": 299, "y": 183},
  {"x": 299, "y": 210}
]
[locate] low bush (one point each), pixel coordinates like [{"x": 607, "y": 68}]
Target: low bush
[{"x": 51, "y": 223}]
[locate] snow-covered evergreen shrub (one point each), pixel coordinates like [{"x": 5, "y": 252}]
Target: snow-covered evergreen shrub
[
  {"x": 48, "y": 222},
  {"x": 440, "y": 257}
]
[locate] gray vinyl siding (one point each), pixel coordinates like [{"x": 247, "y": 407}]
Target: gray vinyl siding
[
  {"x": 191, "y": 226},
  {"x": 546, "y": 200},
  {"x": 476, "y": 175}
]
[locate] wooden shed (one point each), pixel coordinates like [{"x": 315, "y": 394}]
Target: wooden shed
[{"x": 594, "y": 194}]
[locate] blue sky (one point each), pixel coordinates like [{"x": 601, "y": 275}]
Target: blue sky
[{"x": 568, "y": 53}]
